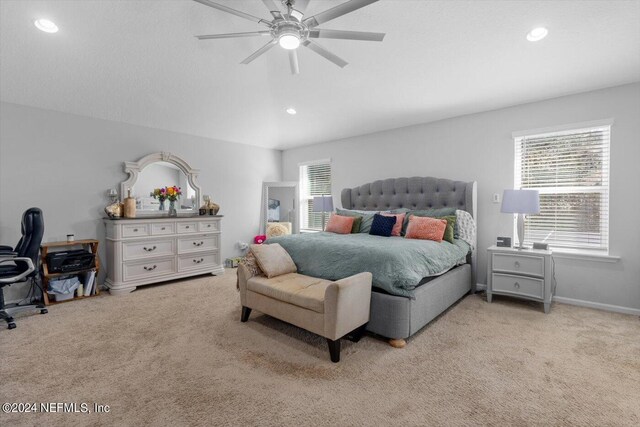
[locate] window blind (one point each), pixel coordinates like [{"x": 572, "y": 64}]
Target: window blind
[
  {"x": 315, "y": 180},
  {"x": 570, "y": 169}
]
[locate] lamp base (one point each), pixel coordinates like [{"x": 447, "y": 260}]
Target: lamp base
[{"x": 520, "y": 232}]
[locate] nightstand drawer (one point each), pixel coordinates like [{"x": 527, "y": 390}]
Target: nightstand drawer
[
  {"x": 517, "y": 285},
  {"x": 520, "y": 264}
]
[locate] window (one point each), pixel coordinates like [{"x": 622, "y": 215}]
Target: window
[
  {"x": 315, "y": 180},
  {"x": 570, "y": 169}
]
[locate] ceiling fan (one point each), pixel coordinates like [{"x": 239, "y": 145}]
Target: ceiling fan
[{"x": 290, "y": 29}]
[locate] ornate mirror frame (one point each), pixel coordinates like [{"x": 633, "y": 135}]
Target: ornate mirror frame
[{"x": 134, "y": 169}]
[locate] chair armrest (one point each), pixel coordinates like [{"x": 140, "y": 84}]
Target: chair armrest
[
  {"x": 4, "y": 248},
  {"x": 346, "y": 305},
  {"x": 13, "y": 279},
  {"x": 7, "y": 254}
]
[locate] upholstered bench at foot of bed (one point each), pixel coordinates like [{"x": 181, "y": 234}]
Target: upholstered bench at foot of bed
[{"x": 333, "y": 310}]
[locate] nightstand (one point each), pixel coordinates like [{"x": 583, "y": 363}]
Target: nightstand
[{"x": 522, "y": 273}]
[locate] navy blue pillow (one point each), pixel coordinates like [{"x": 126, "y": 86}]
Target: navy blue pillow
[{"x": 382, "y": 225}]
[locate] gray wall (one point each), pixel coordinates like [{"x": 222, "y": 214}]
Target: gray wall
[
  {"x": 480, "y": 147},
  {"x": 65, "y": 163}
]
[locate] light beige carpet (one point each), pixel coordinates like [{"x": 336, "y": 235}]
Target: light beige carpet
[{"x": 176, "y": 354}]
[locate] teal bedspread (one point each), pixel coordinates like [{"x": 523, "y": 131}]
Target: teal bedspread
[{"x": 397, "y": 264}]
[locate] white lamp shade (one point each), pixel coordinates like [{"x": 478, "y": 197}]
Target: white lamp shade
[
  {"x": 323, "y": 204},
  {"x": 521, "y": 201}
]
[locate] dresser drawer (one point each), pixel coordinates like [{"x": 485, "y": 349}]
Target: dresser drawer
[
  {"x": 521, "y": 264},
  {"x": 198, "y": 261},
  {"x": 205, "y": 226},
  {"x": 517, "y": 285},
  {"x": 187, "y": 227},
  {"x": 150, "y": 268},
  {"x": 135, "y": 230},
  {"x": 204, "y": 242},
  {"x": 162, "y": 228},
  {"x": 147, "y": 249}
]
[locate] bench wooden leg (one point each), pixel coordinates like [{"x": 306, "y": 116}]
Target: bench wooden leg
[
  {"x": 334, "y": 350},
  {"x": 246, "y": 311}
]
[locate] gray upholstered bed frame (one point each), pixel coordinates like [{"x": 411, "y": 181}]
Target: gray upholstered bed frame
[{"x": 398, "y": 317}]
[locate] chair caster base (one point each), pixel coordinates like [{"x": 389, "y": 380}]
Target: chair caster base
[
  {"x": 11, "y": 325},
  {"x": 44, "y": 311}
]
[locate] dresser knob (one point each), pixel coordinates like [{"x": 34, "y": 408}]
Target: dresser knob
[
  {"x": 516, "y": 285},
  {"x": 198, "y": 261},
  {"x": 517, "y": 264},
  {"x": 150, "y": 268},
  {"x": 135, "y": 230},
  {"x": 163, "y": 228},
  {"x": 149, "y": 249},
  {"x": 187, "y": 226},
  {"x": 208, "y": 225}
]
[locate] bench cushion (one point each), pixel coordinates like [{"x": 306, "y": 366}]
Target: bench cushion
[{"x": 293, "y": 288}]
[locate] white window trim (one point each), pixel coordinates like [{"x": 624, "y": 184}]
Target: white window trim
[
  {"x": 563, "y": 128},
  {"x": 568, "y": 253}
]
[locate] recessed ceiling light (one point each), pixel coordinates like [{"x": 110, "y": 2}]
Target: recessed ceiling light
[
  {"x": 46, "y": 26},
  {"x": 291, "y": 111},
  {"x": 537, "y": 34}
]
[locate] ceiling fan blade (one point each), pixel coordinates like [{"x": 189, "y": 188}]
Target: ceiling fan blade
[
  {"x": 293, "y": 61},
  {"x": 260, "y": 51},
  {"x": 346, "y": 35},
  {"x": 336, "y": 12},
  {"x": 271, "y": 5},
  {"x": 232, "y": 11},
  {"x": 301, "y": 5},
  {"x": 232, "y": 35},
  {"x": 324, "y": 52}
]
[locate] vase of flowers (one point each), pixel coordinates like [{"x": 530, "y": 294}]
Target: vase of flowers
[{"x": 172, "y": 194}]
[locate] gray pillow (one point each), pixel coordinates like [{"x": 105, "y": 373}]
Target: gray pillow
[
  {"x": 367, "y": 218},
  {"x": 273, "y": 259}
]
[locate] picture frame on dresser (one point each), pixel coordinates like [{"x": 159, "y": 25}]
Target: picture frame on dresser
[{"x": 155, "y": 247}]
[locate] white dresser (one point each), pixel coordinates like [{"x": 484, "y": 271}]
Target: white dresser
[
  {"x": 142, "y": 251},
  {"x": 526, "y": 273}
]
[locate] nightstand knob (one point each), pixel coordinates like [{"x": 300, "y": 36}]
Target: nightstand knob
[
  {"x": 517, "y": 264},
  {"x": 516, "y": 285}
]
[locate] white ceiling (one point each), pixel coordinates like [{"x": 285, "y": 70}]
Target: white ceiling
[{"x": 137, "y": 62}]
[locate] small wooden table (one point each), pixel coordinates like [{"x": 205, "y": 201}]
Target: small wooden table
[{"x": 90, "y": 244}]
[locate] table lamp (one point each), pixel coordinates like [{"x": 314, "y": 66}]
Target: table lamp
[
  {"x": 521, "y": 202},
  {"x": 323, "y": 204}
]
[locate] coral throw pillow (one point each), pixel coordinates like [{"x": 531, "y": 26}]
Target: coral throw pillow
[
  {"x": 397, "y": 228},
  {"x": 426, "y": 228},
  {"x": 340, "y": 224}
]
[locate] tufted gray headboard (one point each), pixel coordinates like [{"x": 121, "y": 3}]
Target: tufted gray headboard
[{"x": 412, "y": 193}]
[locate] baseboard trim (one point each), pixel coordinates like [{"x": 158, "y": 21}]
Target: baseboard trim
[
  {"x": 582, "y": 303},
  {"x": 598, "y": 305}
]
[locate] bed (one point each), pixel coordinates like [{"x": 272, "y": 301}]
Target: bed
[{"x": 405, "y": 299}]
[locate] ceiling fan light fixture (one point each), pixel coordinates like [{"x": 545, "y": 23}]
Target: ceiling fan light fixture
[
  {"x": 292, "y": 111},
  {"x": 289, "y": 41}
]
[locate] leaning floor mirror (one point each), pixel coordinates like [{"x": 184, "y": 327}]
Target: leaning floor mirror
[{"x": 279, "y": 208}]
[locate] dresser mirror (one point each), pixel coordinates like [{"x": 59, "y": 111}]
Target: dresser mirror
[
  {"x": 160, "y": 170},
  {"x": 279, "y": 208}
]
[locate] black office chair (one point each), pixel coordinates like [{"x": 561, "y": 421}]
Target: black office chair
[{"x": 20, "y": 264}]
